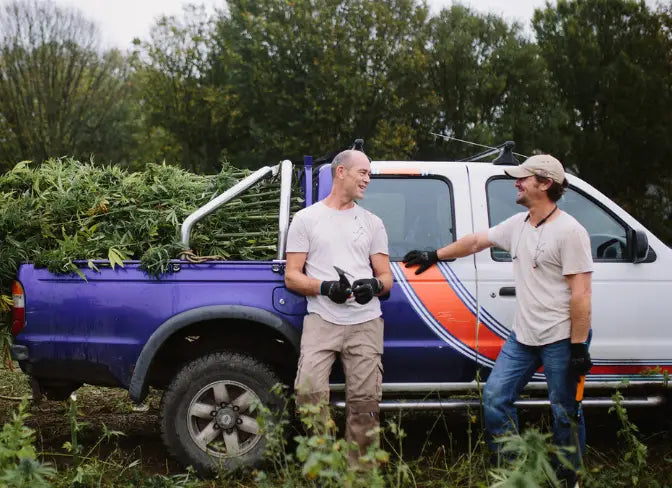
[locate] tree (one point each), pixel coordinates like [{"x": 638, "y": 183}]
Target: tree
[
  {"x": 312, "y": 75},
  {"x": 612, "y": 63},
  {"x": 491, "y": 84},
  {"x": 58, "y": 94},
  {"x": 190, "y": 109}
]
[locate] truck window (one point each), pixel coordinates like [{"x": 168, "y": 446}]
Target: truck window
[
  {"x": 608, "y": 235},
  {"x": 417, "y": 212}
]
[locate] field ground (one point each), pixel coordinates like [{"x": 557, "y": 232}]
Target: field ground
[{"x": 433, "y": 438}]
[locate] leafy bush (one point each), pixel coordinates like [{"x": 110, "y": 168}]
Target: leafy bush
[{"x": 19, "y": 466}]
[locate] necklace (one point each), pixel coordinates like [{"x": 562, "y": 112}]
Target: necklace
[
  {"x": 538, "y": 250},
  {"x": 542, "y": 221}
]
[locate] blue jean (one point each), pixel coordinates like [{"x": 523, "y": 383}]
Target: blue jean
[{"x": 513, "y": 369}]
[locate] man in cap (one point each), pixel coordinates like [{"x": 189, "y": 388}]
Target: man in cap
[{"x": 552, "y": 266}]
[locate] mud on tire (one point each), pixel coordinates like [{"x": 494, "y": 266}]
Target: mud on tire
[{"x": 206, "y": 421}]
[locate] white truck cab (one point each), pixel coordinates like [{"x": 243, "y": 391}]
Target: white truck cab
[{"x": 632, "y": 277}]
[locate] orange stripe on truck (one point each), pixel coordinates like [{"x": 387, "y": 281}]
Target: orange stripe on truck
[{"x": 439, "y": 298}]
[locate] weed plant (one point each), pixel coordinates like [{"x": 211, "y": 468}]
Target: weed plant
[
  {"x": 19, "y": 466},
  {"x": 65, "y": 214}
]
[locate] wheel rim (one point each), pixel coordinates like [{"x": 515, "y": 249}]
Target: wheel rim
[{"x": 220, "y": 421}]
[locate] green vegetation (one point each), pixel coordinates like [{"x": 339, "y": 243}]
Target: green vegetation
[
  {"x": 80, "y": 443},
  {"x": 265, "y": 80},
  {"x": 65, "y": 210}
]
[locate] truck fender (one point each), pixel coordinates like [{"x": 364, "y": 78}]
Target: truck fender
[{"x": 137, "y": 389}]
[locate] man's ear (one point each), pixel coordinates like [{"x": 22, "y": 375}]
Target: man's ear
[
  {"x": 546, "y": 184},
  {"x": 340, "y": 170}
]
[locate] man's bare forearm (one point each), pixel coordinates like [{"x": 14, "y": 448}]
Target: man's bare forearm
[
  {"x": 469, "y": 244},
  {"x": 302, "y": 284},
  {"x": 579, "y": 313},
  {"x": 386, "y": 280}
]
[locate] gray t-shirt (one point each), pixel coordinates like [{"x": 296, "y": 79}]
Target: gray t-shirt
[
  {"x": 542, "y": 257},
  {"x": 343, "y": 238}
]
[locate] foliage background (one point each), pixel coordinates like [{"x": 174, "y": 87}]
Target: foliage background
[{"x": 265, "y": 80}]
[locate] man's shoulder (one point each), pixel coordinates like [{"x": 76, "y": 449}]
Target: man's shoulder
[
  {"x": 571, "y": 231},
  {"x": 512, "y": 220},
  {"x": 569, "y": 222},
  {"x": 368, "y": 214},
  {"x": 310, "y": 211}
]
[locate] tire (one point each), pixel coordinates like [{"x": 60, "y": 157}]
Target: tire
[{"x": 206, "y": 420}]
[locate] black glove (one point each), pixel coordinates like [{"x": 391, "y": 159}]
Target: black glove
[
  {"x": 579, "y": 359},
  {"x": 424, "y": 258},
  {"x": 335, "y": 290},
  {"x": 365, "y": 288}
]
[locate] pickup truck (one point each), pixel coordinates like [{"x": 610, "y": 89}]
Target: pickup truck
[{"x": 216, "y": 336}]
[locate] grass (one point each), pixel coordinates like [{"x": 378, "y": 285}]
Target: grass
[{"x": 102, "y": 440}]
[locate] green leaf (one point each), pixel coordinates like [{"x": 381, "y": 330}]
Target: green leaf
[{"x": 116, "y": 257}]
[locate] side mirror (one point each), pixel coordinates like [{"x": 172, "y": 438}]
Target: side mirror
[{"x": 640, "y": 246}]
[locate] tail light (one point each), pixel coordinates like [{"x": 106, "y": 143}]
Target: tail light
[{"x": 18, "y": 311}]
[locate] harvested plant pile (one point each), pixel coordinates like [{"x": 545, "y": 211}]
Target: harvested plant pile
[{"x": 64, "y": 210}]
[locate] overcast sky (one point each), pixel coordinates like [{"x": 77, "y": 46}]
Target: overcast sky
[{"x": 122, "y": 20}]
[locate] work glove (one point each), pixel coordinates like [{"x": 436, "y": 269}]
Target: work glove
[
  {"x": 365, "y": 289},
  {"x": 579, "y": 359},
  {"x": 337, "y": 291},
  {"x": 424, "y": 258}
]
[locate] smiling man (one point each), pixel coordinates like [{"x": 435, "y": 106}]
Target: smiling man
[
  {"x": 552, "y": 266},
  {"x": 342, "y": 318}
]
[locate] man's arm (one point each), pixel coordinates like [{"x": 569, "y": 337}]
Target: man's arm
[
  {"x": 295, "y": 279},
  {"x": 465, "y": 246},
  {"x": 381, "y": 270},
  {"x": 579, "y": 305}
]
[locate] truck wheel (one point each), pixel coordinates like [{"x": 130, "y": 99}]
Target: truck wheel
[{"x": 208, "y": 419}]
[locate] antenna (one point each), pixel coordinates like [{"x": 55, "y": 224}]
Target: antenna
[{"x": 505, "y": 151}]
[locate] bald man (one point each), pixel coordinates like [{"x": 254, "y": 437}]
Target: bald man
[{"x": 341, "y": 320}]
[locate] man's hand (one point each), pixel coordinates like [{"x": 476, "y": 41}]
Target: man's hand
[
  {"x": 365, "y": 289},
  {"x": 579, "y": 359},
  {"x": 424, "y": 258},
  {"x": 335, "y": 290}
]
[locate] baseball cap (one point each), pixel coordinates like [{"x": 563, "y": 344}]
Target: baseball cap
[{"x": 543, "y": 165}]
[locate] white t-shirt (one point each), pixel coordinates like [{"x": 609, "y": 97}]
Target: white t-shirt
[
  {"x": 558, "y": 248},
  {"x": 343, "y": 238}
]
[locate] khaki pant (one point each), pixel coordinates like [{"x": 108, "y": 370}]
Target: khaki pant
[{"x": 361, "y": 348}]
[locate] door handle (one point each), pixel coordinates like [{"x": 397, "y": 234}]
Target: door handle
[{"x": 507, "y": 291}]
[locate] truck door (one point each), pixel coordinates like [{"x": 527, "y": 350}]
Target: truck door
[
  {"x": 628, "y": 316},
  {"x": 429, "y": 318}
]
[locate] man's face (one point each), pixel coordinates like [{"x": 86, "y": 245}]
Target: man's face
[
  {"x": 357, "y": 177},
  {"x": 530, "y": 190}
]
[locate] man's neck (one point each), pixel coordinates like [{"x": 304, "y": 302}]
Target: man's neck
[
  {"x": 541, "y": 211},
  {"x": 338, "y": 202}
]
